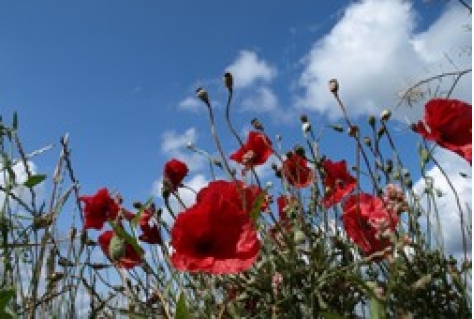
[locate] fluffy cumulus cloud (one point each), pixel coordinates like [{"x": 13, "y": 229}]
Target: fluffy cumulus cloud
[
  {"x": 375, "y": 52},
  {"x": 20, "y": 177},
  {"x": 262, "y": 100},
  {"x": 248, "y": 69},
  {"x": 459, "y": 173},
  {"x": 190, "y": 103},
  {"x": 175, "y": 145}
]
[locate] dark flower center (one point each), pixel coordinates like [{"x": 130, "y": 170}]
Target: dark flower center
[{"x": 204, "y": 247}]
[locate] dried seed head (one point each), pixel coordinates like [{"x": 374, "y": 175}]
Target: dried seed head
[
  {"x": 367, "y": 141},
  {"x": 333, "y": 86},
  {"x": 228, "y": 81}
]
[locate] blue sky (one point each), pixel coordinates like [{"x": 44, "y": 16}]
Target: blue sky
[{"x": 120, "y": 76}]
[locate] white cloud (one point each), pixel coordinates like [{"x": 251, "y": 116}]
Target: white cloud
[
  {"x": 449, "y": 213},
  {"x": 174, "y": 145},
  {"x": 248, "y": 69},
  {"x": 191, "y": 103},
  {"x": 264, "y": 100},
  {"x": 373, "y": 51}
]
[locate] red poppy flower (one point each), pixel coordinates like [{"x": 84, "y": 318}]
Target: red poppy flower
[
  {"x": 255, "y": 151},
  {"x": 119, "y": 251},
  {"x": 174, "y": 173},
  {"x": 216, "y": 235},
  {"x": 368, "y": 222},
  {"x": 151, "y": 233},
  {"x": 448, "y": 123},
  {"x": 337, "y": 181},
  {"x": 296, "y": 171},
  {"x": 98, "y": 209}
]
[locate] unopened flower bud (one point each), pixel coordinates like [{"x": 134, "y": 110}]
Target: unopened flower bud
[
  {"x": 116, "y": 248},
  {"x": 257, "y": 124},
  {"x": 367, "y": 141},
  {"x": 385, "y": 115},
  {"x": 299, "y": 237},
  {"x": 306, "y": 127},
  {"x": 190, "y": 145},
  {"x": 333, "y": 86},
  {"x": 353, "y": 130},
  {"x": 371, "y": 120},
  {"x": 299, "y": 150},
  {"x": 228, "y": 81},
  {"x": 202, "y": 94},
  {"x": 381, "y": 131}
]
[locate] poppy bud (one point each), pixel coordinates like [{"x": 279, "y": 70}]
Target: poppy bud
[
  {"x": 333, "y": 86},
  {"x": 381, "y": 131},
  {"x": 228, "y": 81},
  {"x": 202, "y": 94},
  {"x": 305, "y": 127},
  {"x": 256, "y": 124},
  {"x": 116, "y": 248},
  {"x": 371, "y": 120},
  {"x": 299, "y": 150},
  {"x": 385, "y": 115},
  {"x": 353, "y": 130},
  {"x": 299, "y": 237},
  {"x": 337, "y": 128},
  {"x": 367, "y": 141}
]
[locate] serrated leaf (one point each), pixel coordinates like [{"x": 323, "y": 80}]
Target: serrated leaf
[
  {"x": 34, "y": 180},
  {"x": 182, "y": 311}
]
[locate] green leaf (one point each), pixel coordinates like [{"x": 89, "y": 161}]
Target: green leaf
[
  {"x": 377, "y": 309},
  {"x": 5, "y": 296},
  {"x": 34, "y": 180},
  {"x": 129, "y": 239},
  {"x": 331, "y": 315},
  {"x": 182, "y": 311},
  {"x": 257, "y": 207}
]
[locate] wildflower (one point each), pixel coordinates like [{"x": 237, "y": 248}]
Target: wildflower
[
  {"x": 98, "y": 209},
  {"x": 174, "y": 173},
  {"x": 120, "y": 252},
  {"x": 449, "y": 124},
  {"x": 216, "y": 234},
  {"x": 296, "y": 171},
  {"x": 255, "y": 151},
  {"x": 368, "y": 222},
  {"x": 338, "y": 182}
]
